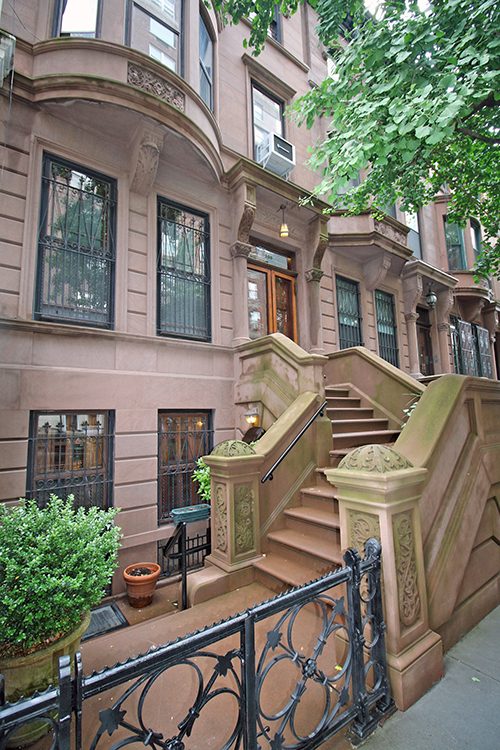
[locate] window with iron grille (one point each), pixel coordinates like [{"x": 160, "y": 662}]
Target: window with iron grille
[
  {"x": 386, "y": 327},
  {"x": 183, "y": 272},
  {"x": 349, "y": 315},
  {"x": 76, "y": 245},
  {"x": 183, "y": 437},
  {"x": 471, "y": 348},
  {"x": 70, "y": 453}
]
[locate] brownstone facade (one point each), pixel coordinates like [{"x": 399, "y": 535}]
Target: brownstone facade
[{"x": 140, "y": 244}]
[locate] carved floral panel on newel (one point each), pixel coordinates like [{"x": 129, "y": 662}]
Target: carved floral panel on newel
[
  {"x": 406, "y": 568},
  {"x": 244, "y": 500},
  {"x": 362, "y": 526},
  {"x": 220, "y": 518}
]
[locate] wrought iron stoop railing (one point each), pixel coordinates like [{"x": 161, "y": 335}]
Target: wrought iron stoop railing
[{"x": 308, "y": 641}]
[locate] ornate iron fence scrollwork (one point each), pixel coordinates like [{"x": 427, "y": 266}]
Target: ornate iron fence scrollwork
[{"x": 322, "y": 644}]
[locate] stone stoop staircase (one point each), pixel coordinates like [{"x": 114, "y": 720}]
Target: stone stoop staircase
[{"x": 309, "y": 543}]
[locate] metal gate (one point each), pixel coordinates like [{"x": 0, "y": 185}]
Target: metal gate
[
  {"x": 288, "y": 673},
  {"x": 471, "y": 349}
]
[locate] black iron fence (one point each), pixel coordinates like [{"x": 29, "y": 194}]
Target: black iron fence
[
  {"x": 286, "y": 674},
  {"x": 198, "y": 546}
]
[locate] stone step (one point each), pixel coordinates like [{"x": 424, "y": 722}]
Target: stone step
[
  {"x": 347, "y": 413},
  {"x": 323, "y": 492},
  {"x": 340, "y": 426},
  {"x": 279, "y": 572},
  {"x": 337, "y": 390},
  {"x": 351, "y": 440},
  {"x": 314, "y": 516},
  {"x": 338, "y": 402},
  {"x": 318, "y": 550}
]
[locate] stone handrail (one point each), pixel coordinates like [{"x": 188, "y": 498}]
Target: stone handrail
[
  {"x": 454, "y": 433},
  {"x": 387, "y": 388}
]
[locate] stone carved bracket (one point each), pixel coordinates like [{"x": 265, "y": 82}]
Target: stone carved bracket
[
  {"x": 375, "y": 271},
  {"x": 245, "y": 206},
  {"x": 406, "y": 569},
  {"x": 413, "y": 288},
  {"x": 145, "y": 159},
  {"x": 154, "y": 84},
  {"x": 318, "y": 240},
  {"x": 444, "y": 306}
]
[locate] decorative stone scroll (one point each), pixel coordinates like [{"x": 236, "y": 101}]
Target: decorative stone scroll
[
  {"x": 406, "y": 568},
  {"x": 244, "y": 502},
  {"x": 362, "y": 526},
  {"x": 154, "y": 84},
  {"x": 377, "y": 459},
  {"x": 220, "y": 519}
]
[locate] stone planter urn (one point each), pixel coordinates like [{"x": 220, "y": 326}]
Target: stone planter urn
[
  {"x": 36, "y": 671},
  {"x": 141, "y": 579}
]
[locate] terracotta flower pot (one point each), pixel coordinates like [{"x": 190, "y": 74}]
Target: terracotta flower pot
[
  {"x": 35, "y": 671},
  {"x": 141, "y": 581}
]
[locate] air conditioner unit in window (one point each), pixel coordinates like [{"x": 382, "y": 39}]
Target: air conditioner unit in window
[{"x": 276, "y": 154}]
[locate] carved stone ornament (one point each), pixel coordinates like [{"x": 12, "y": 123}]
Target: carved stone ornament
[
  {"x": 406, "y": 568},
  {"x": 229, "y": 448},
  {"x": 444, "y": 306},
  {"x": 376, "y": 459},
  {"x": 387, "y": 230},
  {"x": 375, "y": 271},
  {"x": 246, "y": 221},
  {"x": 146, "y": 165},
  {"x": 413, "y": 289},
  {"x": 153, "y": 84},
  {"x": 362, "y": 526},
  {"x": 240, "y": 249},
  {"x": 220, "y": 519},
  {"x": 243, "y": 519},
  {"x": 314, "y": 274}
]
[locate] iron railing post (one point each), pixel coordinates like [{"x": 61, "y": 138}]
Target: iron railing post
[
  {"x": 183, "y": 544},
  {"x": 249, "y": 698},
  {"x": 78, "y": 699},
  {"x": 65, "y": 703}
]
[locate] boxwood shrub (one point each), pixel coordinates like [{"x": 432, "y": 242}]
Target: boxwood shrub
[{"x": 55, "y": 564}]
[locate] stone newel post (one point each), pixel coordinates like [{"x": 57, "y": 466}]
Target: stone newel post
[
  {"x": 378, "y": 491},
  {"x": 235, "y": 473}
]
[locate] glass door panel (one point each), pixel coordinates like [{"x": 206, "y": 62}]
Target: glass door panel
[
  {"x": 257, "y": 303},
  {"x": 284, "y": 317}
]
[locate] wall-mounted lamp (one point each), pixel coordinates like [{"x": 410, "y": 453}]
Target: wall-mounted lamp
[
  {"x": 431, "y": 298},
  {"x": 252, "y": 417},
  {"x": 283, "y": 226}
]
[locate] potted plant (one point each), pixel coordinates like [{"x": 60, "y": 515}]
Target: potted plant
[
  {"x": 55, "y": 564},
  {"x": 141, "y": 579}
]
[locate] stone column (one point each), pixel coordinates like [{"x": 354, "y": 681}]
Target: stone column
[
  {"x": 313, "y": 278},
  {"x": 235, "y": 473},
  {"x": 412, "y": 292},
  {"x": 240, "y": 252},
  {"x": 443, "y": 308},
  {"x": 378, "y": 492}
]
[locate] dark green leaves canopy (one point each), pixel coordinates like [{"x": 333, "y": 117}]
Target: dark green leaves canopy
[{"x": 414, "y": 95}]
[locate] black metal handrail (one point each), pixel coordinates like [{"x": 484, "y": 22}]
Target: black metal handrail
[
  {"x": 269, "y": 473},
  {"x": 240, "y": 672},
  {"x": 179, "y": 536}
]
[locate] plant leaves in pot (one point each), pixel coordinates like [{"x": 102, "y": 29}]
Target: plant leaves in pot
[
  {"x": 141, "y": 579},
  {"x": 55, "y": 564}
]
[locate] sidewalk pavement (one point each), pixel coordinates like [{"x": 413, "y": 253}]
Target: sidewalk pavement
[{"x": 462, "y": 711}]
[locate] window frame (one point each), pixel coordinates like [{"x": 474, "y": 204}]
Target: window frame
[
  {"x": 206, "y": 435},
  {"x": 476, "y": 237},
  {"x": 47, "y": 160},
  {"x": 161, "y": 200},
  {"x": 204, "y": 23},
  {"x": 277, "y": 100},
  {"x": 356, "y": 284},
  {"x": 463, "y": 253},
  {"x": 179, "y": 33},
  {"x": 381, "y": 346},
  {"x": 58, "y": 17},
  {"x": 108, "y": 452}
]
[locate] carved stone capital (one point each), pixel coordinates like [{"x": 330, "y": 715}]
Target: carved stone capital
[
  {"x": 154, "y": 84},
  {"x": 375, "y": 271},
  {"x": 443, "y": 327},
  {"x": 413, "y": 316},
  {"x": 314, "y": 274},
  {"x": 240, "y": 249}
]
